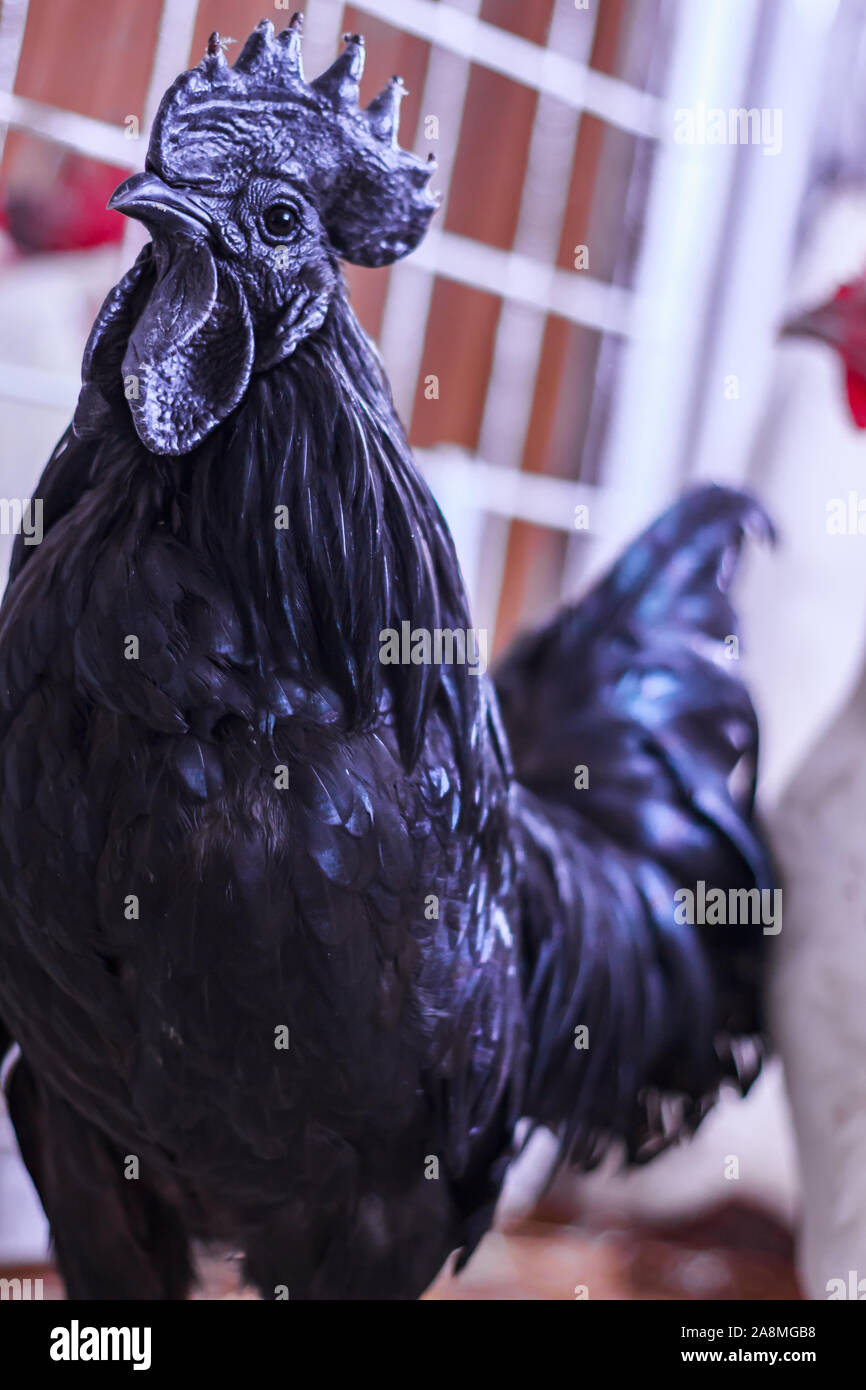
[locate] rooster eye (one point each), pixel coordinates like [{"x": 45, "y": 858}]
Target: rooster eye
[{"x": 279, "y": 220}]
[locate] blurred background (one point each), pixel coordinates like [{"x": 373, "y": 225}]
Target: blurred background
[{"x": 591, "y": 326}]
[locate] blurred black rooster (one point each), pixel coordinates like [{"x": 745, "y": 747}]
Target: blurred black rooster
[{"x": 226, "y": 826}]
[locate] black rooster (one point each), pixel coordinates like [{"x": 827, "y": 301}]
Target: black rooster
[{"x": 285, "y": 944}]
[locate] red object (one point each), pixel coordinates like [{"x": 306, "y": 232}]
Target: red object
[
  {"x": 841, "y": 322},
  {"x": 856, "y": 389},
  {"x": 70, "y": 214}
]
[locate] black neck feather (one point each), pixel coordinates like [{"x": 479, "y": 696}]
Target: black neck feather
[{"x": 366, "y": 546}]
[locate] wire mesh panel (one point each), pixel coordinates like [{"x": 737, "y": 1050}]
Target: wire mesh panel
[
  {"x": 480, "y": 327},
  {"x": 524, "y": 338}
]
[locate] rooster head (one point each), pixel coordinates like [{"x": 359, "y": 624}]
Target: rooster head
[{"x": 255, "y": 183}]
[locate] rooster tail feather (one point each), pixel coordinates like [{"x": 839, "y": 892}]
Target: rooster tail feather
[{"x": 635, "y": 744}]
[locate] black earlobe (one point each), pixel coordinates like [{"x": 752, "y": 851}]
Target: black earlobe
[
  {"x": 173, "y": 341},
  {"x": 190, "y": 353},
  {"x": 102, "y": 384}
]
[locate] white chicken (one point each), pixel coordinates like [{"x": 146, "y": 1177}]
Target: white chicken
[{"x": 818, "y": 975}]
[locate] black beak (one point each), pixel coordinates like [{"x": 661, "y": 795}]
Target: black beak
[{"x": 161, "y": 208}]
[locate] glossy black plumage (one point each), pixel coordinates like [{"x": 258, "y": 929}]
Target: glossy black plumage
[{"x": 429, "y": 927}]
